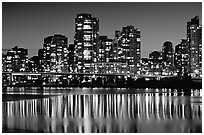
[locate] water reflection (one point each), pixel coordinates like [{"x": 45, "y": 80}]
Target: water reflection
[{"x": 149, "y": 112}]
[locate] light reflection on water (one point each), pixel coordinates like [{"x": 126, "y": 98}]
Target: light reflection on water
[{"x": 137, "y": 112}]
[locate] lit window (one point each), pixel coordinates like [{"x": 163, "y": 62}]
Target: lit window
[
  {"x": 87, "y": 37},
  {"x": 87, "y": 21},
  {"x": 87, "y": 27},
  {"x": 53, "y": 45},
  {"x": 87, "y": 54},
  {"x": 9, "y": 57},
  {"x": 87, "y": 44},
  {"x": 131, "y": 35}
]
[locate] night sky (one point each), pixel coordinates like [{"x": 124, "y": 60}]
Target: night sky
[{"x": 27, "y": 24}]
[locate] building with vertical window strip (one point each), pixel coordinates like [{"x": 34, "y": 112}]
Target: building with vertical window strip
[
  {"x": 105, "y": 45},
  {"x": 86, "y": 41},
  {"x": 194, "y": 38},
  {"x": 129, "y": 47},
  {"x": 54, "y": 54},
  {"x": 181, "y": 57},
  {"x": 167, "y": 56},
  {"x": 42, "y": 58},
  {"x": 145, "y": 66},
  {"x": 16, "y": 60},
  {"x": 3, "y": 62},
  {"x": 156, "y": 62},
  {"x": 116, "y": 50},
  {"x": 34, "y": 64},
  {"x": 71, "y": 59}
]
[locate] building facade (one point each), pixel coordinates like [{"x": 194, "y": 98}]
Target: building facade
[
  {"x": 194, "y": 38},
  {"x": 112, "y": 67},
  {"x": 129, "y": 48},
  {"x": 16, "y": 60},
  {"x": 105, "y": 45},
  {"x": 86, "y": 41},
  {"x": 54, "y": 54},
  {"x": 145, "y": 66},
  {"x": 167, "y": 56},
  {"x": 34, "y": 64},
  {"x": 42, "y": 58},
  {"x": 116, "y": 50},
  {"x": 181, "y": 57},
  {"x": 71, "y": 59},
  {"x": 3, "y": 62},
  {"x": 156, "y": 62}
]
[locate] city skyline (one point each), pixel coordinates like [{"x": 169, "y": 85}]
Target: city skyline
[
  {"x": 102, "y": 67},
  {"x": 27, "y": 33}
]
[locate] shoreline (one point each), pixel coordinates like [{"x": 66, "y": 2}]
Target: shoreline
[
  {"x": 6, "y": 97},
  {"x": 139, "y": 84}
]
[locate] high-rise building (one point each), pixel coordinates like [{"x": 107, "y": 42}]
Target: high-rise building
[
  {"x": 42, "y": 58},
  {"x": 155, "y": 59},
  {"x": 105, "y": 45},
  {"x": 71, "y": 58},
  {"x": 181, "y": 57},
  {"x": 167, "y": 56},
  {"x": 55, "y": 53},
  {"x": 194, "y": 38},
  {"x": 86, "y": 41},
  {"x": 16, "y": 60},
  {"x": 129, "y": 47},
  {"x": 3, "y": 62},
  {"x": 33, "y": 64},
  {"x": 146, "y": 66},
  {"x": 116, "y": 50}
]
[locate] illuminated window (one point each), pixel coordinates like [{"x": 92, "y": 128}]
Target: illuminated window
[
  {"x": 87, "y": 54},
  {"x": 87, "y": 37},
  {"x": 52, "y": 54},
  {"x": 53, "y": 45},
  {"x": 87, "y": 44},
  {"x": 108, "y": 43},
  {"x": 131, "y": 35},
  {"x": 9, "y": 57},
  {"x": 87, "y": 21},
  {"x": 87, "y": 27},
  {"x": 16, "y": 56}
]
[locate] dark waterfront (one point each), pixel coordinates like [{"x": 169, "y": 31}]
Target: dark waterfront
[{"x": 101, "y": 110}]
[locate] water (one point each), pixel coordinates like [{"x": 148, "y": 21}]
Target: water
[{"x": 99, "y": 110}]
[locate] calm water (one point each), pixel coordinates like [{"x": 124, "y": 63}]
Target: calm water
[{"x": 101, "y": 110}]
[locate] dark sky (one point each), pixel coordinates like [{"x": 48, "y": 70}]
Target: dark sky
[{"x": 27, "y": 24}]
